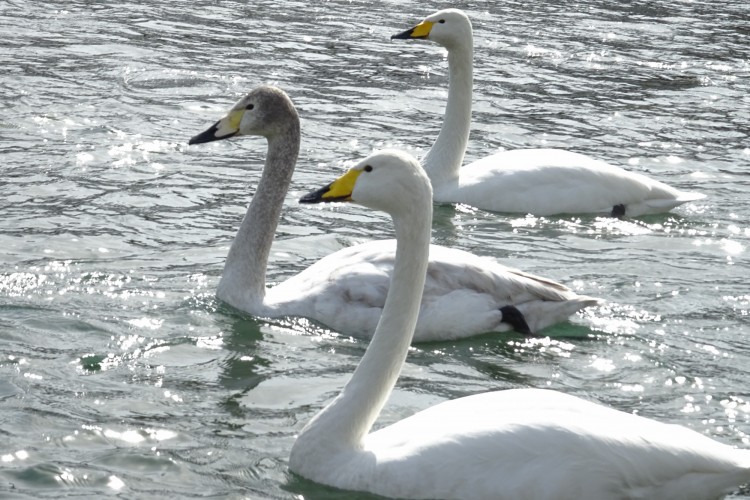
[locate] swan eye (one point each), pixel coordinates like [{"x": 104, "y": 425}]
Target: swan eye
[
  {"x": 250, "y": 106},
  {"x": 368, "y": 168},
  {"x": 442, "y": 21}
]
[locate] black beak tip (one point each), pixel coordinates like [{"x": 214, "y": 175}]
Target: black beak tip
[
  {"x": 206, "y": 136},
  {"x": 315, "y": 196},
  {"x": 308, "y": 198},
  {"x": 210, "y": 135},
  {"x": 404, "y": 35}
]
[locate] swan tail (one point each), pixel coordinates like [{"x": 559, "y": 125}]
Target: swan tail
[
  {"x": 697, "y": 485},
  {"x": 682, "y": 197},
  {"x": 541, "y": 314},
  {"x": 661, "y": 205},
  {"x": 686, "y": 196}
]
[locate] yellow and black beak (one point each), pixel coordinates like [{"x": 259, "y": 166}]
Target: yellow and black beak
[
  {"x": 223, "y": 129},
  {"x": 339, "y": 190},
  {"x": 421, "y": 30}
]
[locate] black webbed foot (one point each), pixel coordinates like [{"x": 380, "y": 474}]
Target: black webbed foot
[
  {"x": 514, "y": 318},
  {"x": 618, "y": 211}
]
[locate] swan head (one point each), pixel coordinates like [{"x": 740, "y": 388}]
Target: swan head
[
  {"x": 390, "y": 180},
  {"x": 266, "y": 111},
  {"x": 450, "y": 28}
]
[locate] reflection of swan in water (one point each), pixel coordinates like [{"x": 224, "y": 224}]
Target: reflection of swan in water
[
  {"x": 536, "y": 181},
  {"x": 465, "y": 295},
  {"x": 240, "y": 372},
  {"x": 514, "y": 444}
]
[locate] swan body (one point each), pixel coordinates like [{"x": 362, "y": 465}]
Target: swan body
[
  {"x": 514, "y": 444},
  {"x": 553, "y": 181},
  {"x": 464, "y": 295},
  {"x": 537, "y": 181}
]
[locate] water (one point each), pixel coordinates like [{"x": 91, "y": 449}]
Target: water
[{"x": 120, "y": 374}]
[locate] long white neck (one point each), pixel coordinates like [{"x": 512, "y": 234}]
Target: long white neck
[
  {"x": 243, "y": 283},
  {"x": 443, "y": 161},
  {"x": 342, "y": 425}
]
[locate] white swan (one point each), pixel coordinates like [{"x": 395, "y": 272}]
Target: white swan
[
  {"x": 536, "y": 181},
  {"x": 465, "y": 295},
  {"x": 514, "y": 444}
]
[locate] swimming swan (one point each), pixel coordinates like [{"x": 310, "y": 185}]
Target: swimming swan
[
  {"x": 536, "y": 181},
  {"x": 513, "y": 444},
  {"x": 465, "y": 295}
]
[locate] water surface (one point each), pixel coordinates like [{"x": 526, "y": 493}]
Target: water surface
[{"x": 121, "y": 374}]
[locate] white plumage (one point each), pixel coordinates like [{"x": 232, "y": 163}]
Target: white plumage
[
  {"x": 462, "y": 295},
  {"x": 537, "y": 181},
  {"x": 345, "y": 291},
  {"x": 516, "y": 444}
]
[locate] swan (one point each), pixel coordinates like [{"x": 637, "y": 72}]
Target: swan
[
  {"x": 465, "y": 294},
  {"x": 536, "y": 181},
  {"x": 512, "y": 444}
]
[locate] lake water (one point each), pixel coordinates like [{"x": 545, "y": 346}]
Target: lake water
[{"x": 121, "y": 374}]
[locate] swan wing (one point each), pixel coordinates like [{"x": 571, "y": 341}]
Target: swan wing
[{"x": 344, "y": 290}]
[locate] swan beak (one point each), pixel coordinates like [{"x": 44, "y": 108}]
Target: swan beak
[
  {"x": 339, "y": 190},
  {"x": 421, "y": 30},
  {"x": 223, "y": 129}
]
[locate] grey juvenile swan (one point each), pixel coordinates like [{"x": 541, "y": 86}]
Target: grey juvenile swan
[{"x": 464, "y": 295}]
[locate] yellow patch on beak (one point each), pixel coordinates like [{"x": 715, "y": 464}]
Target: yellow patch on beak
[
  {"x": 422, "y": 29},
  {"x": 230, "y": 124},
  {"x": 341, "y": 189}
]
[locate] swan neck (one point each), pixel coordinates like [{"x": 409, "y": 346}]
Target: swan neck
[
  {"x": 446, "y": 156},
  {"x": 243, "y": 281},
  {"x": 344, "y": 423}
]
